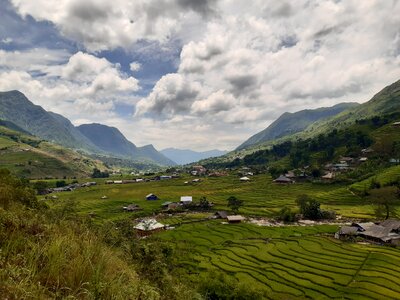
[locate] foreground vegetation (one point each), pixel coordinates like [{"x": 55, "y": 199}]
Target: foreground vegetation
[{"x": 52, "y": 253}]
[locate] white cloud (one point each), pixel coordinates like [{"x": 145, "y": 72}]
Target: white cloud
[
  {"x": 172, "y": 94},
  {"x": 242, "y": 63},
  {"x": 135, "y": 66},
  {"x": 102, "y": 24},
  {"x": 82, "y": 86}
]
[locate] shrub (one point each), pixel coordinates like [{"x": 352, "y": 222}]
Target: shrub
[{"x": 286, "y": 215}]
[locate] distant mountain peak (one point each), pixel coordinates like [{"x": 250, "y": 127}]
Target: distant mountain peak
[{"x": 186, "y": 156}]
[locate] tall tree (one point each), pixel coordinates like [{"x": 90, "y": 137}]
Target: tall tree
[{"x": 234, "y": 204}]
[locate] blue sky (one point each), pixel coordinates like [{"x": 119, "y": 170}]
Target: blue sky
[{"x": 197, "y": 74}]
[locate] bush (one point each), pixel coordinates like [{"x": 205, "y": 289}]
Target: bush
[
  {"x": 61, "y": 183},
  {"x": 286, "y": 215},
  {"x": 15, "y": 190}
]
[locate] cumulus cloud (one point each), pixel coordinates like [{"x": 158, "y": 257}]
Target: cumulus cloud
[
  {"x": 102, "y": 24},
  {"x": 135, "y": 66},
  {"x": 215, "y": 103},
  {"x": 241, "y": 65},
  {"x": 61, "y": 83},
  {"x": 172, "y": 94}
]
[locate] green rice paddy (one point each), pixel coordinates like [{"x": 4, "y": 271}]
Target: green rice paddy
[
  {"x": 289, "y": 262},
  {"x": 261, "y": 196}
]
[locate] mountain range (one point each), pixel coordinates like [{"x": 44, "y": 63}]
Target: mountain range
[
  {"x": 290, "y": 123},
  {"x": 91, "y": 138},
  {"x": 111, "y": 140},
  {"x": 186, "y": 156}
]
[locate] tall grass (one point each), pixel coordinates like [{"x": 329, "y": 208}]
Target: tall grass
[{"x": 44, "y": 259}]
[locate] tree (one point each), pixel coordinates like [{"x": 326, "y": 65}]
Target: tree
[
  {"x": 98, "y": 174},
  {"x": 385, "y": 200},
  {"x": 234, "y": 204},
  {"x": 204, "y": 204},
  {"x": 41, "y": 187},
  {"x": 286, "y": 215},
  {"x": 310, "y": 208}
]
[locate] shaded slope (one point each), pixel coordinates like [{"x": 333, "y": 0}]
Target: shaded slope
[
  {"x": 111, "y": 140},
  {"x": 16, "y": 108}
]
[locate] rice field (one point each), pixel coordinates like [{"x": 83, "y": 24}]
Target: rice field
[
  {"x": 289, "y": 262},
  {"x": 261, "y": 196}
]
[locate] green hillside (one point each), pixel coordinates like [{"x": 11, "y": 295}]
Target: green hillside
[
  {"x": 15, "y": 107},
  {"x": 290, "y": 123},
  {"x": 387, "y": 101},
  {"x": 30, "y": 157}
]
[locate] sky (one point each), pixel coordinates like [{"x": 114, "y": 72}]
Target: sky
[{"x": 196, "y": 74}]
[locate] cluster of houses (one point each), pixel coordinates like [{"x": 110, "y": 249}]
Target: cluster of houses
[
  {"x": 168, "y": 205},
  {"x": 344, "y": 164},
  {"x": 386, "y": 232},
  {"x": 148, "y": 226},
  {"x": 68, "y": 188},
  {"x": 230, "y": 219}
]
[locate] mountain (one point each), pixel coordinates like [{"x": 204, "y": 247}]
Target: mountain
[
  {"x": 111, "y": 140},
  {"x": 290, "y": 123},
  {"x": 183, "y": 157},
  {"x": 12, "y": 126},
  {"x": 18, "y": 113},
  {"x": 16, "y": 108},
  {"x": 31, "y": 157},
  {"x": 387, "y": 101}
]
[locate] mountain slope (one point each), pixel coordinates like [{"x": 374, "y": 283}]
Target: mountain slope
[
  {"x": 16, "y": 108},
  {"x": 111, "y": 140},
  {"x": 186, "y": 156},
  {"x": 387, "y": 101},
  {"x": 30, "y": 157},
  {"x": 290, "y": 123}
]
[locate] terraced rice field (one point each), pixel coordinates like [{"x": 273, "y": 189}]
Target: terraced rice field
[
  {"x": 290, "y": 262},
  {"x": 261, "y": 197}
]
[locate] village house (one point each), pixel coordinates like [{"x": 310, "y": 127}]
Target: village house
[
  {"x": 387, "y": 232},
  {"x": 340, "y": 167},
  {"x": 396, "y": 124},
  {"x": 367, "y": 151},
  {"x": 186, "y": 200},
  {"x": 221, "y": 214},
  {"x": 363, "y": 159},
  {"x": 131, "y": 207},
  {"x": 290, "y": 175},
  {"x": 235, "y": 219},
  {"x": 165, "y": 204},
  {"x": 328, "y": 176},
  {"x": 127, "y": 181},
  {"x": 151, "y": 197},
  {"x": 198, "y": 170},
  {"x": 244, "y": 179},
  {"x": 148, "y": 226},
  {"x": 283, "y": 180}
]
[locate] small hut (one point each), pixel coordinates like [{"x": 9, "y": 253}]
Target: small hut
[
  {"x": 151, "y": 197},
  {"x": 235, "y": 219},
  {"x": 283, "y": 179}
]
